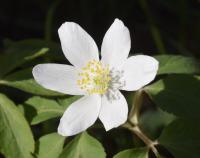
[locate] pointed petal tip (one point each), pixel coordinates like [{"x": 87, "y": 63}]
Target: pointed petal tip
[
  {"x": 66, "y": 24},
  {"x": 139, "y": 70},
  {"x": 118, "y": 21},
  {"x": 64, "y": 132},
  {"x": 108, "y": 127},
  {"x": 77, "y": 45},
  {"x": 116, "y": 44},
  {"x": 36, "y": 71},
  {"x": 60, "y": 131}
]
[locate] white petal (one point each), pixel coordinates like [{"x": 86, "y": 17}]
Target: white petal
[
  {"x": 58, "y": 77},
  {"x": 77, "y": 45},
  {"x": 138, "y": 71},
  {"x": 113, "y": 113},
  {"x": 116, "y": 44},
  {"x": 80, "y": 115}
]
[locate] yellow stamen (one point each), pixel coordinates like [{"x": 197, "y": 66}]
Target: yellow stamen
[{"x": 94, "y": 78}]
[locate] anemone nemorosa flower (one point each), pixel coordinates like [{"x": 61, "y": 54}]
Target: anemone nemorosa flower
[{"x": 99, "y": 80}]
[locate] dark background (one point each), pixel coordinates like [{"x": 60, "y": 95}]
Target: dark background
[{"x": 156, "y": 26}]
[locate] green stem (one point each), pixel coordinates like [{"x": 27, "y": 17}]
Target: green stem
[
  {"x": 135, "y": 110},
  {"x": 154, "y": 30},
  {"x": 149, "y": 143},
  {"x": 49, "y": 20},
  {"x": 132, "y": 123}
]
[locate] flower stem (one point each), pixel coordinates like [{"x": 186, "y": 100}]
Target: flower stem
[
  {"x": 49, "y": 19},
  {"x": 150, "y": 144},
  {"x": 137, "y": 102},
  {"x": 137, "y": 131},
  {"x": 133, "y": 122}
]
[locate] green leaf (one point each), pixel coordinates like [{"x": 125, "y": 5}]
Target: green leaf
[
  {"x": 30, "y": 45},
  {"x": 23, "y": 80},
  {"x": 83, "y": 146},
  {"x": 176, "y": 64},
  {"x": 66, "y": 101},
  {"x": 30, "y": 86},
  {"x": 153, "y": 121},
  {"x": 46, "y": 109},
  {"x": 50, "y": 146},
  {"x": 15, "y": 135},
  {"x": 182, "y": 138},
  {"x": 133, "y": 153},
  {"x": 17, "y": 54},
  {"x": 177, "y": 94}
]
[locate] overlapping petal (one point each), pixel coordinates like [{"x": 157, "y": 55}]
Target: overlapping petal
[
  {"x": 116, "y": 44},
  {"x": 77, "y": 45},
  {"x": 139, "y": 70},
  {"x": 113, "y": 113},
  {"x": 80, "y": 115},
  {"x": 58, "y": 77}
]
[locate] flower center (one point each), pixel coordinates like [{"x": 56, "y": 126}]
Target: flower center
[{"x": 94, "y": 78}]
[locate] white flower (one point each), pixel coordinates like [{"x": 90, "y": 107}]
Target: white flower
[{"x": 98, "y": 80}]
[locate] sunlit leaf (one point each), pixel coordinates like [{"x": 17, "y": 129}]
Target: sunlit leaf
[
  {"x": 50, "y": 146},
  {"x": 66, "y": 101},
  {"x": 17, "y": 54},
  {"x": 54, "y": 53},
  {"x": 83, "y": 146},
  {"x": 133, "y": 153},
  {"x": 15, "y": 134},
  {"x": 44, "y": 109},
  {"x": 176, "y": 64}
]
